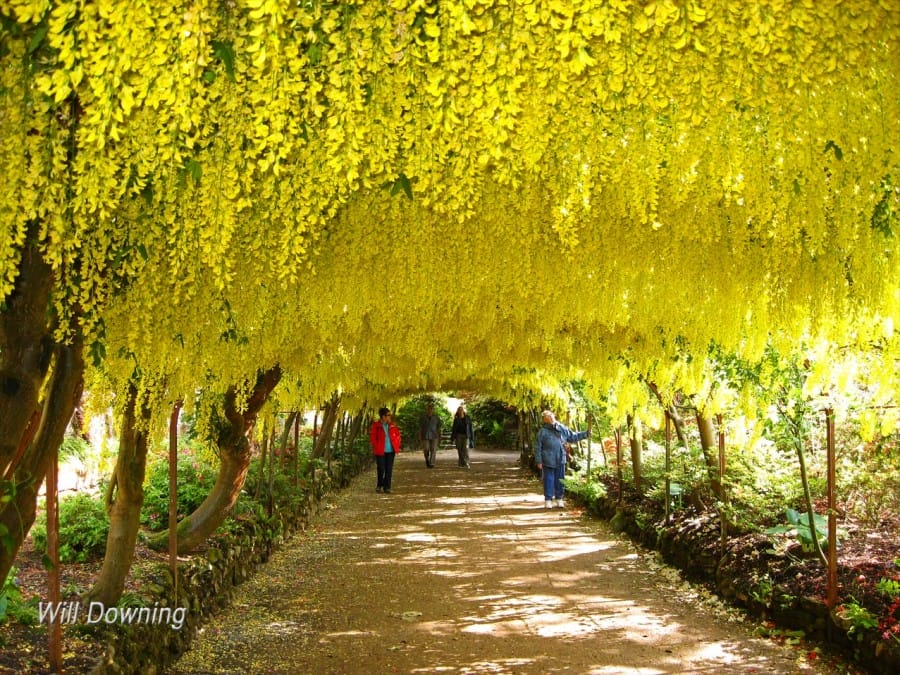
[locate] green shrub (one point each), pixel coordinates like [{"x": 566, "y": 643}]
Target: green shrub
[
  {"x": 589, "y": 491},
  {"x": 12, "y": 604},
  {"x": 195, "y": 479},
  {"x": 858, "y": 618},
  {"x": 407, "y": 417},
  {"x": 492, "y": 418},
  {"x": 74, "y": 448},
  {"x": 83, "y": 527}
]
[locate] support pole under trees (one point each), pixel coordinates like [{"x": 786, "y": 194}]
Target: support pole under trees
[
  {"x": 722, "y": 516},
  {"x": 832, "y": 512},
  {"x": 296, "y": 457},
  {"x": 590, "y": 425},
  {"x": 619, "y": 461},
  {"x": 53, "y": 593},
  {"x": 668, "y": 466},
  {"x": 173, "y": 498}
]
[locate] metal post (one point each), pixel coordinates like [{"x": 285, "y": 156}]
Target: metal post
[{"x": 832, "y": 584}]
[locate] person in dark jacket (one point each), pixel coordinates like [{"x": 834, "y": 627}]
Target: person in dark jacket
[
  {"x": 385, "y": 439},
  {"x": 430, "y": 435},
  {"x": 463, "y": 436},
  {"x": 550, "y": 456}
]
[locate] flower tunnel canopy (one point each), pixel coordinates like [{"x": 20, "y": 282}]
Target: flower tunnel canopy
[{"x": 384, "y": 197}]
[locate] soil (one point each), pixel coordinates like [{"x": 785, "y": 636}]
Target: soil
[
  {"x": 460, "y": 571},
  {"x": 465, "y": 571}
]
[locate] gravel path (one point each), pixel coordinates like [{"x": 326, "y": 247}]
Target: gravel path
[{"x": 464, "y": 571}]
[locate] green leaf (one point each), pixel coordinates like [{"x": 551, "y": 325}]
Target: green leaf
[
  {"x": 194, "y": 168},
  {"x": 838, "y": 153},
  {"x": 225, "y": 53},
  {"x": 147, "y": 194},
  {"x": 37, "y": 37},
  {"x": 98, "y": 353},
  {"x": 402, "y": 183},
  {"x": 314, "y": 54}
]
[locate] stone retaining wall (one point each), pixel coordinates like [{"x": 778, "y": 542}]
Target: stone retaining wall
[
  {"x": 207, "y": 579},
  {"x": 693, "y": 547}
]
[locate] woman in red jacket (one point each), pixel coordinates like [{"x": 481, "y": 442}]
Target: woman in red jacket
[{"x": 385, "y": 438}]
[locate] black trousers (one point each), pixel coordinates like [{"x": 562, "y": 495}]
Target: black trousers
[{"x": 385, "y": 464}]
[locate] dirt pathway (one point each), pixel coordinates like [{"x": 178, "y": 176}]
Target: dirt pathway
[{"x": 465, "y": 572}]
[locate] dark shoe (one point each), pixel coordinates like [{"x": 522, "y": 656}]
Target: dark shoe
[
  {"x": 387, "y": 492},
  {"x": 379, "y": 489}
]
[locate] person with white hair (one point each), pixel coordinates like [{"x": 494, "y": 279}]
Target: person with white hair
[{"x": 550, "y": 457}]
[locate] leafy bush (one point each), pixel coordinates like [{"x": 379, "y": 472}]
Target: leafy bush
[
  {"x": 869, "y": 474},
  {"x": 589, "y": 491},
  {"x": 12, "y": 604},
  {"x": 890, "y": 587},
  {"x": 411, "y": 410},
  {"x": 763, "y": 479},
  {"x": 858, "y": 618},
  {"x": 195, "y": 478},
  {"x": 491, "y": 419},
  {"x": 799, "y": 526},
  {"x": 83, "y": 527},
  {"x": 74, "y": 448}
]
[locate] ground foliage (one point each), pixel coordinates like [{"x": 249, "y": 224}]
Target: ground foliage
[{"x": 766, "y": 574}]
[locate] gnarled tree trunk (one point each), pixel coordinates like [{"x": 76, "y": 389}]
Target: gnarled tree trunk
[
  {"x": 636, "y": 440},
  {"x": 27, "y": 473},
  {"x": 674, "y": 415},
  {"x": 234, "y": 461},
  {"x": 356, "y": 426},
  {"x": 709, "y": 444},
  {"x": 328, "y": 420},
  {"x": 124, "y": 499},
  {"x": 26, "y": 350}
]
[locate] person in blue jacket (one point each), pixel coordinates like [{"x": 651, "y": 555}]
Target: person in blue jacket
[{"x": 550, "y": 456}]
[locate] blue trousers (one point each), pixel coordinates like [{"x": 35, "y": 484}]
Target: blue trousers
[
  {"x": 553, "y": 477},
  {"x": 385, "y": 466}
]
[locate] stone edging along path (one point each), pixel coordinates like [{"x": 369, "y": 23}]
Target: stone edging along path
[
  {"x": 207, "y": 580},
  {"x": 464, "y": 571}
]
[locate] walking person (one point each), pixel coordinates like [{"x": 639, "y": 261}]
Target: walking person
[
  {"x": 430, "y": 435},
  {"x": 550, "y": 456},
  {"x": 385, "y": 439},
  {"x": 463, "y": 436}
]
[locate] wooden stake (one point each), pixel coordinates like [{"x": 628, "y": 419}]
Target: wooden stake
[
  {"x": 173, "y": 498},
  {"x": 53, "y": 593},
  {"x": 668, "y": 466},
  {"x": 832, "y": 584},
  {"x": 722, "y": 516}
]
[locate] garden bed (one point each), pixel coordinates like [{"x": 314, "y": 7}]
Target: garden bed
[{"x": 783, "y": 586}]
